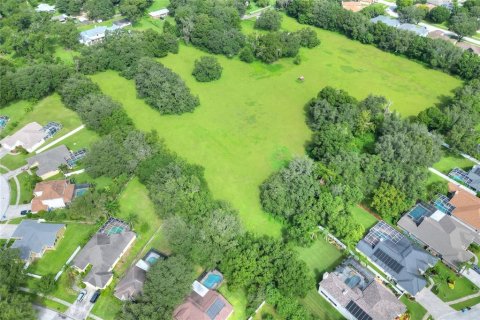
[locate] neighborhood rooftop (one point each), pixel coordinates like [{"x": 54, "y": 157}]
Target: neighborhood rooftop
[
  {"x": 49, "y": 161},
  {"x": 397, "y": 256},
  {"x": 34, "y": 237},
  {"x": 52, "y": 194},
  {"x": 355, "y": 292},
  {"x": 466, "y": 206},
  {"x": 442, "y": 233},
  {"x": 419, "y": 30},
  {"x": 103, "y": 251},
  {"x": 30, "y": 137}
]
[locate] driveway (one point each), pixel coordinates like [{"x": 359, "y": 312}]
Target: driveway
[
  {"x": 472, "y": 276},
  {"x": 80, "y": 310},
  {"x": 436, "y": 307},
  {"x": 14, "y": 211},
  {"x": 3, "y": 152},
  {"x": 7, "y": 230},
  {"x": 473, "y": 314}
]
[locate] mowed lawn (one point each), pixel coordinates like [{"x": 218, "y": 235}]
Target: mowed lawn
[
  {"x": 451, "y": 160},
  {"x": 76, "y": 234},
  {"x": 252, "y": 120},
  {"x": 320, "y": 257}
]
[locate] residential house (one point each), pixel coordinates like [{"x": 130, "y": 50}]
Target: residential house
[
  {"x": 159, "y": 14},
  {"x": 439, "y": 34},
  {"x": 33, "y": 238},
  {"x": 44, "y": 7},
  {"x": 357, "y": 294},
  {"x": 95, "y": 35},
  {"x": 444, "y": 235},
  {"x": 465, "y": 206},
  {"x": 474, "y": 176},
  {"x": 103, "y": 251},
  {"x": 30, "y": 137},
  {"x": 51, "y": 195},
  {"x": 132, "y": 283},
  {"x": 397, "y": 256},
  {"x": 354, "y": 6},
  {"x": 203, "y": 304},
  {"x": 60, "y": 18},
  {"x": 48, "y": 162},
  {"x": 418, "y": 30},
  {"x": 469, "y": 47}
]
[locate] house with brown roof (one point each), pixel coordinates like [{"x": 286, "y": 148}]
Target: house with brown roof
[
  {"x": 357, "y": 294},
  {"x": 203, "y": 304},
  {"x": 51, "y": 195},
  {"x": 466, "y": 206}
]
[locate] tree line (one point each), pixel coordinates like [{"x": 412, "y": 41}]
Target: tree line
[
  {"x": 436, "y": 53},
  {"x": 363, "y": 153}
]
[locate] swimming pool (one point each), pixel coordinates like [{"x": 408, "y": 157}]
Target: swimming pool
[
  {"x": 419, "y": 212},
  {"x": 212, "y": 280}
]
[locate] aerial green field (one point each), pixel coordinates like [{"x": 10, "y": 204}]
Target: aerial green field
[{"x": 251, "y": 121}]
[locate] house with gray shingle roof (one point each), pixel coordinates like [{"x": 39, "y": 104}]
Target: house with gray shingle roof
[
  {"x": 102, "y": 252},
  {"x": 442, "y": 233},
  {"x": 30, "y": 137},
  {"x": 357, "y": 294},
  {"x": 33, "y": 238},
  {"x": 418, "y": 30},
  {"x": 49, "y": 161},
  {"x": 97, "y": 34},
  {"x": 397, "y": 256}
]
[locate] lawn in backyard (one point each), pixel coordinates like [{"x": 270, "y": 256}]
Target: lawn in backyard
[
  {"x": 366, "y": 219},
  {"x": 462, "y": 288},
  {"x": 452, "y": 160},
  {"x": 48, "y": 109},
  {"x": 242, "y": 139},
  {"x": 320, "y": 257},
  {"x": 76, "y": 234},
  {"x": 468, "y": 303},
  {"x": 415, "y": 310},
  {"x": 133, "y": 200}
]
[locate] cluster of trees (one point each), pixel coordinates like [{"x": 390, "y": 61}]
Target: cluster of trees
[
  {"x": 104, "y": 9},
  {"x": 457, "y": 119},
  {"x": 463, "y": 20},
  {"x": 299, "y": 196},
  {"x": 207, "y": 232},
  {"x": 270, "y": 47},
  {"x": 30, "y": 82},
  {"x": 213, "y": 26},
  {"x": 163, "y": 89},
  {"x": 269, "y": 20},
  {"x": 122, "y": 49},
  {"x": 436, "y": 53},
  {"x": 13, "y": 304},
  {"x": 31, "y": 35},
  {"x": 207, "y": 69},
  {"x": 370, "y": 154}
]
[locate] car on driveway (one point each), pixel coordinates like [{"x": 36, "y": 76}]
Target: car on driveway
[
  {"x": 25, "y": 212},
  {"x": 81, "y": 295},
  {"x": 95, "y": 296}
]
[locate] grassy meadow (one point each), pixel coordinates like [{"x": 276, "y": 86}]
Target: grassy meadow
[{"x": 242, "y": 139}]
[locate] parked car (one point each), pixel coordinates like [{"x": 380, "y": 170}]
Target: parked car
[
  {"x": 81, "y": 295},
  {"x": 95, "y": 296},
  {"x": 25, "y": 212}
]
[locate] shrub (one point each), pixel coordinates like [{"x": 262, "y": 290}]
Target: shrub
[
  {"x": 207, "y": 69},
  {"x": 246, "y": 54},
  {"x": 269, "y": 20}
]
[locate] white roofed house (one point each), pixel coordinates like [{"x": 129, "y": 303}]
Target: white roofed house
[
  {"x": 97, "y": 34},
  {"x": 30, "y": 137},
  {"x": 159, "y": 14},
  {"x": 44, "y": 7}
]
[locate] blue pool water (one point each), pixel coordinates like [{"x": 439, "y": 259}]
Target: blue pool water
[
  {"x": 418, "y": 212},
  {"x": 212, "y": 280}
]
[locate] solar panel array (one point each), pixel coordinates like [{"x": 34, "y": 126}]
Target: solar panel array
[
  {"x": 215, "y": 308},
  {"x": 357, "y": 312},
  {"x": 382, "y": 231},
  {"x": 388, "y": 261},
  {"x": 443, "y": 204}
]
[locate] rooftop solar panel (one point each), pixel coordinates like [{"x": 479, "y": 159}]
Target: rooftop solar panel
[
  {"x": 215, "y": 308},
  {"x": 357, "y": 312},
  {"x": 388, "y": 261}
]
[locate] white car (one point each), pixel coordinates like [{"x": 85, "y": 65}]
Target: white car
[{"x": 81, "y": 295}]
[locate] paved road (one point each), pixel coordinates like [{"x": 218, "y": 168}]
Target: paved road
[
  {"x": 14, "y": 211},
  {"x": 4, "y": 196},
  {"x": 48, "y": 314}
]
